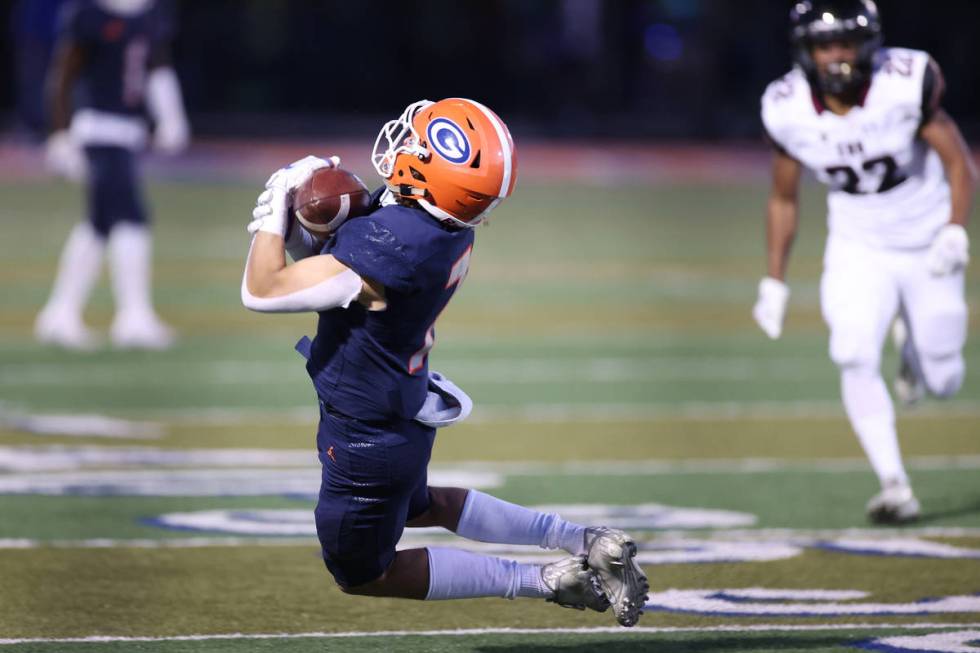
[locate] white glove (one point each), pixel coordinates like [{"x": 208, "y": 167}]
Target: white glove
[
  {"x": 271, "y": 211},
  {"x": 950, "y": 250},
  {"x": 171, "y": 137},
  {"x": 64, "y": 157},
  {"x": 770, "y": 308}
]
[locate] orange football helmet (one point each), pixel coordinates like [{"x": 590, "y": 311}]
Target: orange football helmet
[{"x": 454, "y": 157}]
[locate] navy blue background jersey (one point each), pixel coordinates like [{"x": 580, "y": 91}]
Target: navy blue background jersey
[
  {"x": 373, "y": 365},
  {"x": 118, "y": 51}
]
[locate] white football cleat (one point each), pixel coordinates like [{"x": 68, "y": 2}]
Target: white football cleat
[
  {"x": 612, "y": 556},
  {"x": 574, "y": 585},
  {"x": 908, "y": 386},
  {"x": 895, "y": 504},
  {"x": 65, "y": 332},
  {"x": 147, "y": 332}
]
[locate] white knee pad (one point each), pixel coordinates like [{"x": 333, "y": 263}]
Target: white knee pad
[
  {"x": 943, "y": 376},
  {"x": 939, "y": 344},
  {"x": 852, "y": 346}
]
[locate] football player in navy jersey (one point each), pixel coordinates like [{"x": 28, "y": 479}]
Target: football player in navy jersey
[
  {"x": 111, "y": 69},
  {"x": 379, "y": 283},
  {"x": 868, "y": 120}
]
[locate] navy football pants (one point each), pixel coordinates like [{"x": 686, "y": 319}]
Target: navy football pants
[
  {"x": 373, "y": 480},
  {"x": 113, "y": 191}
]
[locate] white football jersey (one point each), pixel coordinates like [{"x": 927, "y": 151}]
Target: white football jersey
[{"x": 887, "y": 186}]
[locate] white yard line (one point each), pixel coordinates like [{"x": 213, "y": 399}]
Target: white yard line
[
  {"x": 628, "y": 632},
  {"x": 538, "y": 412},
  {"x": 426, "y": 537},
  {"x": 708, "y": 466},
  {"x": 55, "y": 458},
  {"x": 605, "y": 369},
  {"x": 155, "y": 418}
]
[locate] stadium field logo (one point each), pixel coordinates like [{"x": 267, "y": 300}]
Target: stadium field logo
[
  {"x": 764, "y": 602},
  {"x": 448, "y": 140},
  {"x": 954, "y": 642},
  {"x": 293, "y": 483},
  {"x": 648, "y": 516},
  {"x": 902, "y": 547}
]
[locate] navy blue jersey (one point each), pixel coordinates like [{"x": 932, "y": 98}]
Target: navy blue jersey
[
  {"x": 118, "y": 51},
  {"x": 373, "y": 365}
]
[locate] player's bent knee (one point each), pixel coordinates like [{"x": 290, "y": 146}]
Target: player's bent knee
[
  {"x": 849, "y": 349},
  {"x": 940, "y": 348},
  {"x": 357, "y": 590},
  {"x": 448, "y": 505},
  {"x": 942, "y": 335},
  {"x": 943, "y": 376},
  {"x": 445, "y": 507}
]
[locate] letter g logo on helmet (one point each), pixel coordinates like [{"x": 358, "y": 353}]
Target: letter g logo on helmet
[{"x": 448, "y": 140}]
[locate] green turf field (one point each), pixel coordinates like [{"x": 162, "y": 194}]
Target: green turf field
[{"x": 605, "y": 336}]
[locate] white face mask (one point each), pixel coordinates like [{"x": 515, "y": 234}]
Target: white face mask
[{"x": 125, "y": 7}]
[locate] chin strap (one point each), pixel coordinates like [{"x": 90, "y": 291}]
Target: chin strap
[{"x": 443, "y": 216}]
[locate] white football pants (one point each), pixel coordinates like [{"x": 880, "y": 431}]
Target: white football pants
[{"x": 861, "y": 292}]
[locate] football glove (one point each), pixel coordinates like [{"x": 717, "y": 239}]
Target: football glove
[
  {"x": 171, "y": 138},
  {"x": 64, "y": 157},
  {"x": 271, "y": 211},
  {"x": 770, "y": 308},
  {"x": 950, "y": 250}
]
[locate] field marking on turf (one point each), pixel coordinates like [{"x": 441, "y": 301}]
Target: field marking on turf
[
  {"x": 60, "y": 458},
  {"x": 508, "y": 371},
  {"x": 465, "y": 632},
  {"x": 951, "y": 642},
  {"x": 545, "y": 413},
  {"x": 296, "y": 482},
  {"x": 763, "y": 602},
  {"x": 286, "y": 521},
  {"x": 793, "y": 536},
  {"x": 606, "y": 369},
  {"x": 82, "y": 425},
  {"x": 537, "y": 412},
  {"x": 710, "y": 466}
]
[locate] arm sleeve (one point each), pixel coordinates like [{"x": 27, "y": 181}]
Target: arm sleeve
[
  {"x": 337, "y": 291},
  {"x": 369, "y": 247}
]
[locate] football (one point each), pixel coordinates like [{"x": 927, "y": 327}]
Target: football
[{"x": 328, "y": 198}]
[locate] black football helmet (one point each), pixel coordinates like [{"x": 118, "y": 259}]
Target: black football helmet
[{"x": 815, "y": 21}]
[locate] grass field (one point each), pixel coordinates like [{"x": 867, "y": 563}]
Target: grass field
[{"x": 604, "y": 333}]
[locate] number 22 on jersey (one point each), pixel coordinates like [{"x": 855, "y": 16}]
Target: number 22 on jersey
[{"x": 882, "y": 168}]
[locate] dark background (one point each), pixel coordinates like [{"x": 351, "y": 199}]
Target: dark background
[{"x": 650, "y": 69}]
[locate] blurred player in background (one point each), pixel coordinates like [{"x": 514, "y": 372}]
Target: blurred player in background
[
  {"x": 379, "y": 283},
  {"x": 868, "y": 121},
  {"x": 112, "y": 66}
]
